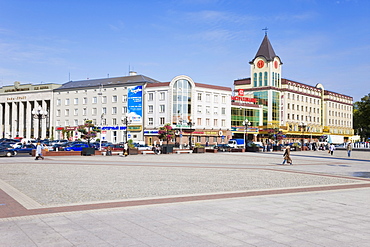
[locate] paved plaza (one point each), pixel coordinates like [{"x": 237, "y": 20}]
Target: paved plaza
[{"x": 221, "y": 199}]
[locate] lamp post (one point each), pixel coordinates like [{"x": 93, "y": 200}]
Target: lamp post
[
  {"x": 190, "y": 126},
  {"x": 246, "y": 123},
  {"x": 126, "y": 121},
  {"x": 180, "y": 123},
  {"x": 303, "y": 126},
  {"x": 39, "y": 113}
]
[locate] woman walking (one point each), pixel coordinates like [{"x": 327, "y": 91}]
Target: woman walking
[{"x": 286, "y": 156}]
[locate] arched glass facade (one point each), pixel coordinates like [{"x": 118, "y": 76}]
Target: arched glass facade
[{"x": 181, "y": 101}]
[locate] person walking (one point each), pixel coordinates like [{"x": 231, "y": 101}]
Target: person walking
[
  {"x": 39, "y": 151},
  {"x": 286, "y": 156},
  {"x": 331, "y": 149},
  {"x": 125, "y": 147},
  {"x": 349, "y": 149}
]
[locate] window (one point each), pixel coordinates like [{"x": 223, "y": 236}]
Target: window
[
  {"x": 215, "y": 98},
  {"x": 208, "y": 98},
  {"x": 114, "y": 99},
  {"x": 150, "y": 109},
  {"x": 114, "y": 121},
  {"x": 84, "y": 111},
  {"x": 292, "y": 106},
  {"x": 84, "y": 101},
  {"x": 76, "y": 101},
  {"x": 199, "y": 121},
  {"x": 223, "y": 123},
  {"x": 67, "y": 123},
  {"x": 67, "y": 102},
  {"x": 150, "y": 121},
  {"x": 104, "y": 99},
  {"x": 104, "y": 110},
  {"x": 124, "y": 98},
  {"x": 215, "y": 111},
  {"x": 95, "y": 100},
  {"x": 223, "y": 99},
  {"x": 161, "y": 96},
  {"x": 199, "y": 96},
  {"x": 162, "y": 108},
  {"x": 75, "y": 122},
  {"x": 199, "y": 109},
  {"x": 75, "y": 112},
  {"x": 288, "y": 116},
  {"x": 94, "y": 111},
  {"x": 161, "y": 120},
  {"x": 150, "y": 97},
  {"x": 208, "y": 122},
  {"x": 66, "y": 112},
  {"x": 223, "y": 110},
  {"x": 124, "y": 109},
  {"x": 58, "y": 113},
  {"x": 114, "y": 110},
  {"x": 215, "y": 122},
  {"x": 59, "y": 102},
  {"x": 208, "y": 110},
  {"x": 288, "y": 106}
]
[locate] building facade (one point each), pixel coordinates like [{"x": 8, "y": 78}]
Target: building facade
[{"x": 291, "y": 109}]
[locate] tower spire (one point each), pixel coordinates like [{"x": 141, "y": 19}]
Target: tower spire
[{"x": 265, "y": 29}]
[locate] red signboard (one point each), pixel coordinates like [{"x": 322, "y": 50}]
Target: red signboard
[
  {"x": 238, "y": 98},
  {"x": 241, "y": 92}
]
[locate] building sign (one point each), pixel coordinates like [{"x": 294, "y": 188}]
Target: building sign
[
  {"x": 239, "y": 98},
  {"x": 135, "y": 104},
  {"x": 240, "y": 92}
]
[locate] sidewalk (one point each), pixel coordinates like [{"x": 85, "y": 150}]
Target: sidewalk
[{"x": 224, "y": 199}]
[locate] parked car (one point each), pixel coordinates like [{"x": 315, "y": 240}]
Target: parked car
[
  {"x": 142, "y": 146},
  {"x": 25, "y": 149},
  {"x": 76, "y": 147},
  {"x": 114, "y": 147},
  {"x": 4, "y": 151},
  {"x": 223, "y": 147}
]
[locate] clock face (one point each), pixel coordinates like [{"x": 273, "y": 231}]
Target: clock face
[
  {"x": 260, "y": 64},
  {"x": 276, "y": 64}
]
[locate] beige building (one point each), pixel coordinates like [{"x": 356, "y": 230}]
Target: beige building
[{"x": 292, "y": 109}]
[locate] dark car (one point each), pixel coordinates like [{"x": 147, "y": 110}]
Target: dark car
[
  {"x": 4, "y": 151},
  {"x": 76, "y": 147},
  {"x": 27, "y": 148},
  {"x": 223, "y": 147}
]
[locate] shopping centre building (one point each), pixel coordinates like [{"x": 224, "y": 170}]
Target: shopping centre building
[{"x": 263, "y": 107}]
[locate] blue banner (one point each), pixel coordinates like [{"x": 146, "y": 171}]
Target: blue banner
[{"x": 135, "y": 104}]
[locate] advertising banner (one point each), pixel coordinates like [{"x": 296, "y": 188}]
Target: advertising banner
[{"x": 135, "y": 104}]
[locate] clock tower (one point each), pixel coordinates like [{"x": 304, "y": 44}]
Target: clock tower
[{"x": 266, "y": 82}]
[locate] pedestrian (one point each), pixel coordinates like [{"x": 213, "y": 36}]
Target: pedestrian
[
  {"x": 286, "y": 156},
  {"x": 349, "y": 149},
  {"x": 109, "y": 151},
  {"x": 125, "y": 149},
  {"x": 39, "y": 151},
  {"x": 331, "y": 148}
]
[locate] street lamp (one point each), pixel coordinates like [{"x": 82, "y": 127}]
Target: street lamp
[
  {"x": 190, "y": 126},
  {"x": 126, "y": 121},
  {"x": 39, "y": 113},
  {"x": 246, "y": 123},
  {"x": 303, "y": 126}
]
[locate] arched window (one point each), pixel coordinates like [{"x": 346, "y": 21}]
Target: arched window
[
  {"x": 255, "y": 79},
  {"x": 181, "y": 100},
  {"x": 260, "y": 79},
  {"x": 265, "y": 79}
]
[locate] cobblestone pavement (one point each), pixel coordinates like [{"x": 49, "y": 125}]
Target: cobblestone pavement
[{"x": 222, "y": 199}]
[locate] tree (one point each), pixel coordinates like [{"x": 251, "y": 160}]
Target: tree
[
  {"x": 88, "y": 130},
  {"x": 166, "y": 133},
  {"x": 361, "y": 117}
]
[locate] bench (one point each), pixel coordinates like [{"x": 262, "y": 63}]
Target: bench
[
  {"x": 147, "y": 152},
  {"x": 184, "y": 151}
]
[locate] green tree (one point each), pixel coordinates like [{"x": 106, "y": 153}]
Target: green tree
[
  {"x": 166, "y": 133},
  {"x": 88, "y": 130},
  {"x": 361, "y": 117}
]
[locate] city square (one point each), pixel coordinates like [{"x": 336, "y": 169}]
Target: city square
[{"x": 210, "y": 199}]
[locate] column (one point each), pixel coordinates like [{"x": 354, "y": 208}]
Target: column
[
  {"x": 44, "y": 120},
  {"x": 29, "y": 119},
  {"x": 1, "y": 120},
  {"x": 21, "y": 119},
  {"x": 14, "y": 120},
  {"x": 6, "y": 123}
]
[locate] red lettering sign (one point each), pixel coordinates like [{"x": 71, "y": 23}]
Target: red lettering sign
[
  {"x": 238, "y": 98},
  {"x": 241, "y": 92}
]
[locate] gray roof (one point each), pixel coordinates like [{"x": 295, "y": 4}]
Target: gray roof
[
  {"x": 114, "y": 81},
  {"x": 266, "y": 50}
]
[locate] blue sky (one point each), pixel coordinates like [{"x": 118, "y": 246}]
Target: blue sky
[{"x": 212, "y": 41}]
